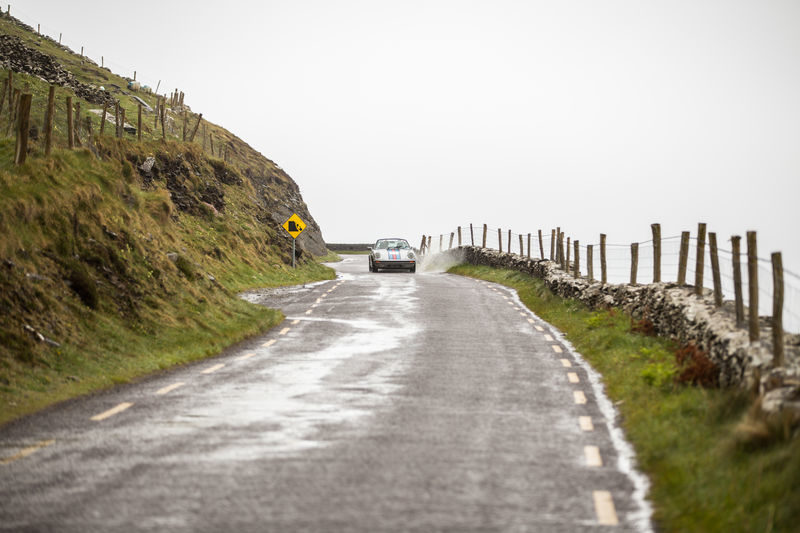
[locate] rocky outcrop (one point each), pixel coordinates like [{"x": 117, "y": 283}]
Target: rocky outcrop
[{"x": 675, "y": 312}]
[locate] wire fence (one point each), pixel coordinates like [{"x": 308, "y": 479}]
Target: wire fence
[{"x": 620, "y": 269}]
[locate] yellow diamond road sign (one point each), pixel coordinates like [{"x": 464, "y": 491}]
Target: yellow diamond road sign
[{"x": 294, "y": 226}]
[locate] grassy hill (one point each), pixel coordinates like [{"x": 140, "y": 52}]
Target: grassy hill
[{"x": 122, "y": 257}]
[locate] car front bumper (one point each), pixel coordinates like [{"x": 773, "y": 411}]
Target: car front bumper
[{"x": 393, "y": 264}]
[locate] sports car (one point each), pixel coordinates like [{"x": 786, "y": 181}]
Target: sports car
[{"x": 392, "y": 254}]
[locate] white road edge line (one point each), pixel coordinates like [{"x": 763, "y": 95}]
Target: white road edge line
[
  {"x": 111, "y": 412},
  {"x": 25, "y": 452}
]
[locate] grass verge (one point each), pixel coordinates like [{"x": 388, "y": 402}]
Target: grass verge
[{"x": 703, "y": 477}]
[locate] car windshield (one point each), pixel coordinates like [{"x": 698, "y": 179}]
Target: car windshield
[{"x": 392, "y": 243}]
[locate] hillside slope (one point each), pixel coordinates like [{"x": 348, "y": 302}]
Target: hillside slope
[{"x": 120, "y": 256}]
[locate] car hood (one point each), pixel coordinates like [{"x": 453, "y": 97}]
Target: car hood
[{"x": 393, "y": 254}]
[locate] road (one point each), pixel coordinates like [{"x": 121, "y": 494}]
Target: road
[{"x": 384, "y": 402}]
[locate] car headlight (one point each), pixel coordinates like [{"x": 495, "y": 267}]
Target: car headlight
[
  {"x": 377, "y": 255},
  {"x": 411, "y": 255}
]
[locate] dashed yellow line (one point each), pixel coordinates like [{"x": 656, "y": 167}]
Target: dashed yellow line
[
  {"x": 585, "y": 423},
  {"x": 314, "y": 305},
  {"x": 548, "y": 337},
  {"x": 111, "y": 412},
  {"x": 565, "y": 363},
  {"x": 539, "y": 328},
  {"x": 212, "y": 369},
  {"x": 592, "y": 454},
  {"x": 309, "y": 311},
  {"x": 25, "y": 452},
  {"x": 295, "y": 322},
  {"x": 523, "y": 314},
  {"x": 573, "y": 377},
  {"x": 318, "y": 300},
  {"x": 530, "y": 320},
  {"x": 246, "y": 356},
  {"x": 579, "y": 397},
  {"x": 557, "y": 348},
  {"x": 604, "y": 508},
  {"x": 269, "y": 343},
  {"x": 284, "y": 331},
  {"x": 169, "y": 388}
]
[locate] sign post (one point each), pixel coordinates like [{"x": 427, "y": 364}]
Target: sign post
[{"x": 294, "y": 226}]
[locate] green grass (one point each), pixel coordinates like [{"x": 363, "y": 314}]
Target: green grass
[{"x": 704, "y": 478}]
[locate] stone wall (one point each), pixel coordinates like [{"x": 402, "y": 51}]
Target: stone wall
[{"x": 677, "y": 313}]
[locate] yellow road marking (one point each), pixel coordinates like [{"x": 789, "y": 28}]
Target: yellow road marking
[
  {"x": 530, "y": 320},
  {"x": 25, "y": 452},
  {"x": 592, "y": 454},
  {"x": 573, "y": 377},
  {"x": 284, "y": 331},
  {"x": 539, "y": 328},
  {"x": 246, "y": 356},
  {"x": 314, "y": 305},
  {"x": 318, "y": 300},
  {"x": 579, "y": 396},
  {"x": 548, "y": 337},
  {"x": 309, "y": 311},
  {"x": 557, "y": 348},
  {"x": 170, "y": 388},
  {"x": 269, "y": 343},
  {"x": 212, "y": 369},
  {"x": 522, "y": 314},
  {"x": 505, "y": 297},
  {"x": 566, "y": 363},
  {"x": 111, "y": 412},
  {"x": 604, "y": 508},
  {"x": 510, "y": 303},
  {"x": 295, "y": 322},
  {"x": 585, "y": 422}
]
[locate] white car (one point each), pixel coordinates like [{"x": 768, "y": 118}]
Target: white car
[{"x": 394, "y": 254}]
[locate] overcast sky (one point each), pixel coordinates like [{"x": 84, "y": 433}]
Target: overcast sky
[{"x": 408, "y": 117}]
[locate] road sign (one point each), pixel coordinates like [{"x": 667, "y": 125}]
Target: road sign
[{"x": 294, "y": 226}]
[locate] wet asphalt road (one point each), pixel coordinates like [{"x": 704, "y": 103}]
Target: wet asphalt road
[{"x": 384, "y": 402}]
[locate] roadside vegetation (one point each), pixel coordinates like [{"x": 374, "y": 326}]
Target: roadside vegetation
[{"x": 710, "y": 471}]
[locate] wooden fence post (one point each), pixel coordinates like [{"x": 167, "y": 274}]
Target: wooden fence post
[
  {"x": 500, "y": 240},
  {"x": 529, "y": 245},
  {"x": 185, "y": 122},
  {"x": 459, "y": 236},
  {"x": 521, "y": 246},
  {"x": 777, "y": 310},
  {"x": 77, "y": 123},
  {"x": 194, "y": 131},
  {"x": 471, "y": 235},
  {"x": 116, "y": 119},
  {"x": 656, "y": 229},
  {"x": 103, "y": 118},
  {"x": 736, "y": 241},
  {"x": 683, "y": 259},
  {"x": 541, "y": 245},
  {"x": 23, "y": 126},
  {"x": 48, "y": 121},
  {"x": 159, "y": 104},
  {"x": 552, "y": 243},
  {"x": 603, "y": 270},
  {"x": 484, "y": 236},
  {"x": 590, "y": 262},
  {"x": 441, "y": 240},
  {"x": 70, "y": 126},
  {"x": 122, "y": 122},
  {"x": 576, "y": 271},
  {"x": 712, "y": 246},
  {"x": 559, "y": 249},
  {"x": 422, "y": 246},
  {"x": 509, "y": 241},
  {"x": 634, "y": 262},
  {"x": 163, "y": 125},
  {"x": 450, "y": 246},
  {"x": 89, "y": 131},
  {"x": 752, "y": 282},
  {"x": 139, "y": 124},
  {"x": 700, "y": 259},
  {"x": 566, "y": 262},
  {"x": 427, "y": 248},
  {"x": 3, "y": 93}
]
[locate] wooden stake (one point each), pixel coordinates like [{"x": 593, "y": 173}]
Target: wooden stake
[
  {"x": 576, "y": 267},
  {"x": 509, "y": 242},
  {"x": 194, "y": 131},
  {"x": 459, "y": 236},
  {"x": 48, "y": 121},
  {"x": 683, "y": 259},
  {"x": 752, "y": 282},
  {"x": 541, "y": 245},
  {"x": 484, "y": 236},
  {"x": 471, "y": 236},
  {"x": 656, "y": 229},
  {"x": 499, "y": 240},
  {"x": 121, "y": 122},
  {"x": 603, "y": 270},
  {"x": 185, "y": 122},
  {"x": 565, "y": 266},
  {"x": 3, "y": 93},
  {"x": 23, "y": 127},
  {"x": 529, "y": 245},
  {"x": 422, "y": 245},
  {"x": 450, "y": 246},
  {"x": 441, "y": 241},
  {"x": 552, "y": 244},
  {"x": 429, "y": 243},
  {"x": 103, "y": 118},
  {"x": 70, "y": 126},
  {"x": 712, "y": 246},
  {"x": 521, "y": 247},
  {"x": 590, "y": 262},
  {"x": 700, "y": 259},
  {"x": 736, "y": 241},
  {"x": 77, "y": 123},
  {"x": 634, "y": 262},
  {"x": 777, "y": 310}
]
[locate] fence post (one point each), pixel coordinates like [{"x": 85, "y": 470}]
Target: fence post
[
  {"x": 566, "y": 263},
  {"x": 428, "y": 248},
  {"x": 552, "y": 244},
  {"x": 103, "y": 118},
  {"x": 77, "y": 123},
  {"x": 484, "y": 236},
  {"x": 122, "y": 122},
  {"x": 541, "y": 245},
  {"x": 471, "y": 235},
  {"x": 23, "y": 127},
  {"x": 634, "y": 262},
  {"x": 590, "y": 262},
  {"x": 70, "y": 126},
  {"x": 736, "y": 241},
  {"x": 529, "y": 245},
  {"x": 700, "y": 259},
  {"x": 752, "y": 282},
  {"x": 558, "y": 245},
  {"x": 500, "y": 240},
  {"x": 459, "y": 236},
  {"x": 603, "y": 269},
  {"x": 712, "y": 246},
  {"x": 521, "y": 247},
  {"x": 441, "y": 241},
  {"x": 3, "y": 93},
  {"x": 450, "y": 246},
  {"x": 422, "y": 246},
  {"x": 683, "y": 259},
  {"x": 576, "y": 271},
  {"x": 185, "y": 124},
  {"x": 509, "y": 241},
  {"x": 777, "y": 309},
  {"x": 48, "y": 121},
  {"x": 656, "y": 229}
]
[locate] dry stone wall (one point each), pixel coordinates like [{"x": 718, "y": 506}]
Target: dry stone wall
[{"x": 675, "y": 312}]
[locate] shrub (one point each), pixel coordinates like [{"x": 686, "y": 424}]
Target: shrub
[{"x": 696, "y": 367}]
